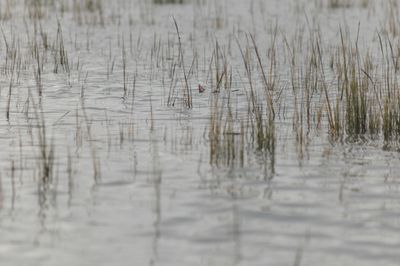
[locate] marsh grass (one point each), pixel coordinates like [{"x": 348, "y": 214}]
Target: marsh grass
[
  {"x": 348, "y": 93},
  {"x": 160, "y": 2},
  {"x": 5, "y": 10},
  {"x": 46, "y": 156},
  {"x": 339, "y": 3},
  {"x": 186, "y": 93},
  {"x": 231, "y": 135},
  {"x": 59, "y": 52}
]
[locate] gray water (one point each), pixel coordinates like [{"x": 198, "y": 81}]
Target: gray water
[{"x": 157, "y": 199}]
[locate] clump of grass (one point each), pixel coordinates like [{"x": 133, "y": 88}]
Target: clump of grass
[
  {"x": 124, "y": 73},
  {"x": 339, "y": 3},
  {"x": 5, "y": 10},
  {"x": 186, "y": 91},
  {"x": 227, "y": 140},
  {"x": 168, "y": 2},
  {"x": 391, "y": 122},
  {"x": 89, "y": 12},
  {"x": 93, "y": 150},
  {"x": 13, "y": 70},
  {"x": 46, "y": 149},
  {"x": 353, "y": 109},
  {"x": 38, "y": 69},
  {"x": 59, "y": 53},
  {"x": 261, "y": 118},
  {"x": 231, "y": 135},
  {"x": 36, "y": 9}
]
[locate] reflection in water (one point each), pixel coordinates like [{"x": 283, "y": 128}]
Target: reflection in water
[
  {"x": 13, "y": 193},
  {"x": 1, "y": 193},
  {"x": 236, "y": 233},
  {"x": 156, "y": 180}
]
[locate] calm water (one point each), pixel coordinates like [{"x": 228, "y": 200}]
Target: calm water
[{"x": 157, "y": 199}]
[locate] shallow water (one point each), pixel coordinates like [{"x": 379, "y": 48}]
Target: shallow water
[{"x": 157, "y": 199}]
